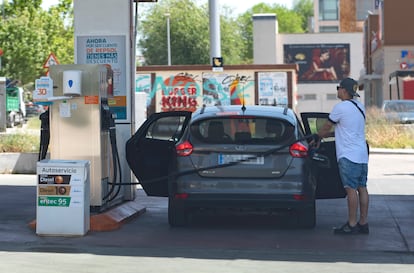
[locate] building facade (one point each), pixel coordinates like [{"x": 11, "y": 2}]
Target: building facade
[
  {"x": 389, "y": 52},
  {"x": 340, "y": 15},
  {"x": 372, "y": 33},
  {"x": 323, "y": 60}
]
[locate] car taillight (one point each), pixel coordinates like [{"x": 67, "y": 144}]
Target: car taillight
[
  {"x": 184, "y": 149},
  {"x": 298, "y": 150},
  {"x": 181, "y": 195},
  {"x": 299, "y": 197}
]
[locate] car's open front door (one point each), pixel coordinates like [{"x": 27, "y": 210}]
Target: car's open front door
[
  {"x": 151, "y": 150},
  {"x": 324, "y": 162}
]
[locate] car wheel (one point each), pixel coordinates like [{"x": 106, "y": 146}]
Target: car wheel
[
  {"x": 307, "y": 216},
  {"x": 177, "y": 215},
  {"x": 12, "y": 121},
  {"x": 21, "y": 120}
]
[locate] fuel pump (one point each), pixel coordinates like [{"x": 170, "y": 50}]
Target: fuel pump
[
  {"x": 82, "y": 127},
  {"x": 44, "y": 134}
]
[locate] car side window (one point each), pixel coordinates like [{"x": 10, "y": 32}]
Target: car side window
[
  {"x": 315, "y": 124},
  {"x": 167, "y": 128}
]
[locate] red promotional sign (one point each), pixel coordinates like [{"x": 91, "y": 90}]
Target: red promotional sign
[{"x": 180, "y": 94}]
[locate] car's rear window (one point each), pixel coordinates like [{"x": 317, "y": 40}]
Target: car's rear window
[{"x": 247, "y": 130}]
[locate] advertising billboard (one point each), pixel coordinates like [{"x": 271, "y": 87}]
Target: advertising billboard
[{"x": 319, "y": 63}]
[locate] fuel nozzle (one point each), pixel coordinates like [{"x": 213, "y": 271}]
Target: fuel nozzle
[
  {"x": 112, "y": 127},
  {"x": 107, "y": 120}
]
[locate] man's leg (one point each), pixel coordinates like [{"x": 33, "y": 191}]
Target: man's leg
[
  {"x": 352, "y": 198},
  {"x": 363, "y": 205}
]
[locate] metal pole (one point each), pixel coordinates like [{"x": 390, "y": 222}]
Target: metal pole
[
  {"x": 168, "y": 38},
  {"x": 215, "y": 45}
]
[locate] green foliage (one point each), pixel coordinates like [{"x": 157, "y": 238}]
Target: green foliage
[
  {"x": 304, "y": 8},
  {"x": 189, "y": 35},
  {"x": 33, "y": 123},
  {"x": 29, "y": 34},
  {"x": 58, "y": 24},
  {"x": 19, "y": 143},
  {"x": 24, "y": 140},
  {"x": 289, "y": 21},
  {"x": 17, "y": 6},
  {"x": 23, "y": 46}
]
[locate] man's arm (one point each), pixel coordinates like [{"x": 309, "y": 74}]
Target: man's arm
[{"x": 325, "y": 131}]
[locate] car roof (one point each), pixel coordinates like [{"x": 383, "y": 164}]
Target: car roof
[
  {"x": 249, "y": 110},
  {"x": 398, "y": 101}
]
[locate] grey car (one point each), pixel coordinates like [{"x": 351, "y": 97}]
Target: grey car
[
  {"x": 253, "y": 158},
  {"x": 399, "y": 111}
]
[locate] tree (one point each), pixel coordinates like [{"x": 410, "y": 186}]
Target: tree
[
  {"x": 24, "y": 46},
  {"x": 29, "y": 34},
  {"x": 304, "y": 8},
  {"x": 189, "y": 35},
  {"x": 58, "y": 24},
  {"x": 289, "y": 21}
]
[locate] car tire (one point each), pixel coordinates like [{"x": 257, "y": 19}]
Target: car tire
[
  {"x": 22, "y": 121},
  {"x": 177, "y": 215},
  {"x": 12, "y": 121},
  {"x": 307, "y": 216}
]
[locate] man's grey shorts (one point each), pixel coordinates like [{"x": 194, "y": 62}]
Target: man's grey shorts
[{"x": 353, "y": 175}]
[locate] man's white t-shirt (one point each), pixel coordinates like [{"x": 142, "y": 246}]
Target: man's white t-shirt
[{"x": 349, "y": 131}]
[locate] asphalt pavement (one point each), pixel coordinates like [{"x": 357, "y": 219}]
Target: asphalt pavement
[{"x": 147, "y": 244}]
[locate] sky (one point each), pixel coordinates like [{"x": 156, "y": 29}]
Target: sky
[{"x": 239, "y": 6}]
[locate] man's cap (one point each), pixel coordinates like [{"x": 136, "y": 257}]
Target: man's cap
[{"x": 350, "y": 85}]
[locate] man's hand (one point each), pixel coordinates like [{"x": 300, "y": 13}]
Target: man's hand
[{"x": 314, "y": 140}]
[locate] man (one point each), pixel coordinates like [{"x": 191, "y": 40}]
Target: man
[{"x": 348, "y": 117}]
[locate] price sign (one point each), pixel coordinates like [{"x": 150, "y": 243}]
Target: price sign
[
  {"x": 43, "y": 89},
  {"x": 53, "y": 201}
]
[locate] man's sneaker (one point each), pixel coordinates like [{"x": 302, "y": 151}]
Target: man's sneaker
[
  {"x": 364, "y": 229},
  {"x": 346, "y": 229}
]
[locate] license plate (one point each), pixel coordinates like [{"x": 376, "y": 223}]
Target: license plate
[{"x": 244, "y": 159}]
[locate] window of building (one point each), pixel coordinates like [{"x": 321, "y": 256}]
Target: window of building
[
  {"x": 331, "y": 96},
  {"x": 328, "y": 10},
  {"x": 309, "y": 97},
  {"x": 328, "y": 29},
  {"x": 363, "y": 6}
]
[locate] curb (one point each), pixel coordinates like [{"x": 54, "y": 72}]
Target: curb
[
  {"x": 18, "y": 163},
  {"x": 390, "y": 151}
]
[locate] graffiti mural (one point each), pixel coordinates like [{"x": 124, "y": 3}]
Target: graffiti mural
[
  {"x": 179, "y": 92},
  {"x": 214, "y": 93},
  {"x": 143, "y": 84},
  {"x": 188, "y": 90},
  {"x": 237, "y": 86}
]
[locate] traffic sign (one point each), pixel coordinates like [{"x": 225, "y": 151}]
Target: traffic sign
[{"x": 51, "y": 60}]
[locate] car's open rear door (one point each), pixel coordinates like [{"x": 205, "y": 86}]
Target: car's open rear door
[
  {"x": 151, "y": 150},
  {"x": 324, "y": 162}
]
